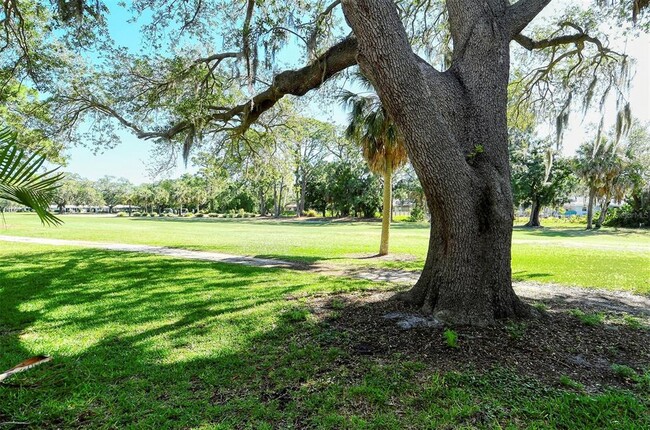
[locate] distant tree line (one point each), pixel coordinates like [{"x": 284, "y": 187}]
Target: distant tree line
[
  {"x": 606, "y": 169},
  {"x": 311, "y": 168}
]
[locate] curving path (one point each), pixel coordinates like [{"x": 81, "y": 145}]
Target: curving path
[{"x": 613, "y": 301}]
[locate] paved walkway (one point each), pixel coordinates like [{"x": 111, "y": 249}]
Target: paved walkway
[
  {"x": 158, "y": 250},
  {"x": 617, "y": 301}
]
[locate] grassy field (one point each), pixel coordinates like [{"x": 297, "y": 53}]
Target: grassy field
[
  {"x": 568, "y": 255},
  {"x": 148, "y": 342}
]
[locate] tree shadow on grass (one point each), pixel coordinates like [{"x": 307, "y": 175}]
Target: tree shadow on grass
[
  {"x": 139, "y": 340},
  {"x": 148, "y": 342},
  {"x": 575, "y": 232},
  {"x": 523, "y": 275}
]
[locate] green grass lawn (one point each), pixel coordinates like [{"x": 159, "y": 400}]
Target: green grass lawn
[
  {"x": 142, "y": 341},
  {"x": 608, "y": 258}
]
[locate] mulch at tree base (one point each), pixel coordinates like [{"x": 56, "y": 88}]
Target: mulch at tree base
[{"x": 557, "y": 344}]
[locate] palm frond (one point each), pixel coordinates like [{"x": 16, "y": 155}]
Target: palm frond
[
  {"x": 362, "y": 80},
  {"x": 21, "y": 178},
  {"x": 372, "y": 128}
]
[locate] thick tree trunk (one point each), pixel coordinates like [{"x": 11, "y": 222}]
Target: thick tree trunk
[
  {"x": 277, "y": 199},
  {"x": 533, "y": 221},
  {"x": 590, "y": 208},
  {"x": 303, "y": 192},
  {"x": 262, "y": 203},
  {"x": 386, "y": 212},
  {"x": 455, "y": 131},
  {"x": 603, "y": 212}
]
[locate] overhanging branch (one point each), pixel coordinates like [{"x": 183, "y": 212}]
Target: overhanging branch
[
  {"x": 520, "y": 14},
  {"x": 291, "y": 82},
  {"x": 579, "y": 39}
]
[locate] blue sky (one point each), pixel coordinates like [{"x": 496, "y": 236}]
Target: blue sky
[{"x": 129, "y": 158}]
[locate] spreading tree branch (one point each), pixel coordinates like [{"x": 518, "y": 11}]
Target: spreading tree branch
[
  {"x": 578, "y": 39},
  {"x": 520, "y": 14},
  {"x": 290, "y": 82}
]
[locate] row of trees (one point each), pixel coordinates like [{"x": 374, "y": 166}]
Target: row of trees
[
  {"x": 310, "y": 163},
  {"x": 337, "y": 188},
  {"x": 605, "y": 169},
  {"x": 346, "y": 185}
]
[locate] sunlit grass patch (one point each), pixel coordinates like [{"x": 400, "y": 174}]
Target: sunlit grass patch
[{"x": 152, "y": 342}]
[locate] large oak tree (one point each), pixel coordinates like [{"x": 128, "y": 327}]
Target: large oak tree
[{"x": 453, "y": 118}]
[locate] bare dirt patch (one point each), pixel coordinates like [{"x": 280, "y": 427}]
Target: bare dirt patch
[{"x": 558, "y": 344}]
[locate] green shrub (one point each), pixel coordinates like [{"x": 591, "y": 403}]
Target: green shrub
[
  {"x": 451, "y": 337},
  {"x": 543, "y": 307},
  {"x": 417, "y": 214},
  {"x": 570, "y": 383},
  {"x": 633, "y": 322},
  {"x": 240, "y": 213},
  {"x": 624, "y": 371},
  {"x": 188, "y": 215},
  {"x": 578, "y": 219},
  {"x": 121, "y": 214},
  {"x": 169, "y": 215},
  {"x": 199, "y": 215},
  {"x": 311, "y": 213},
  {"x": 296, "y": 314},
  {"x": 337, "y": 303},
  {"x": 213, "y": 215},
  {"x": 628, "y": 218},
  {"x": 588, "y": 319},
  {"x": 135, "y": 214},
  {"x": 153, "y": 214},
  {"x": 516, "y": 330}
]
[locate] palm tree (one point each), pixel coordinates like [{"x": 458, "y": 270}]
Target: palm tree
[
  {"x": 382, "y": 145},
  {"x": 21, "y": 178},
  {"x": 604, "y": 167},
  {"x": 590, "y": 167}
]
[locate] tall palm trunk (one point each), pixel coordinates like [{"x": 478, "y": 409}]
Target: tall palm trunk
[
  {"x": 386, "y": 211},
  {"x": 603, "y": 212},
  {"x": 590, "y": 208}
]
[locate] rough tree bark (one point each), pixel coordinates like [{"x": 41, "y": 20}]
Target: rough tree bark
[
  {"x": 455, "y": 130},
  {"x": 533, "y": 221}
]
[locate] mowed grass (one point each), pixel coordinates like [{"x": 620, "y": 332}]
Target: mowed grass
[
  {"x": 617, "y": 259},
  {"x": 149, "y": 342}
]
